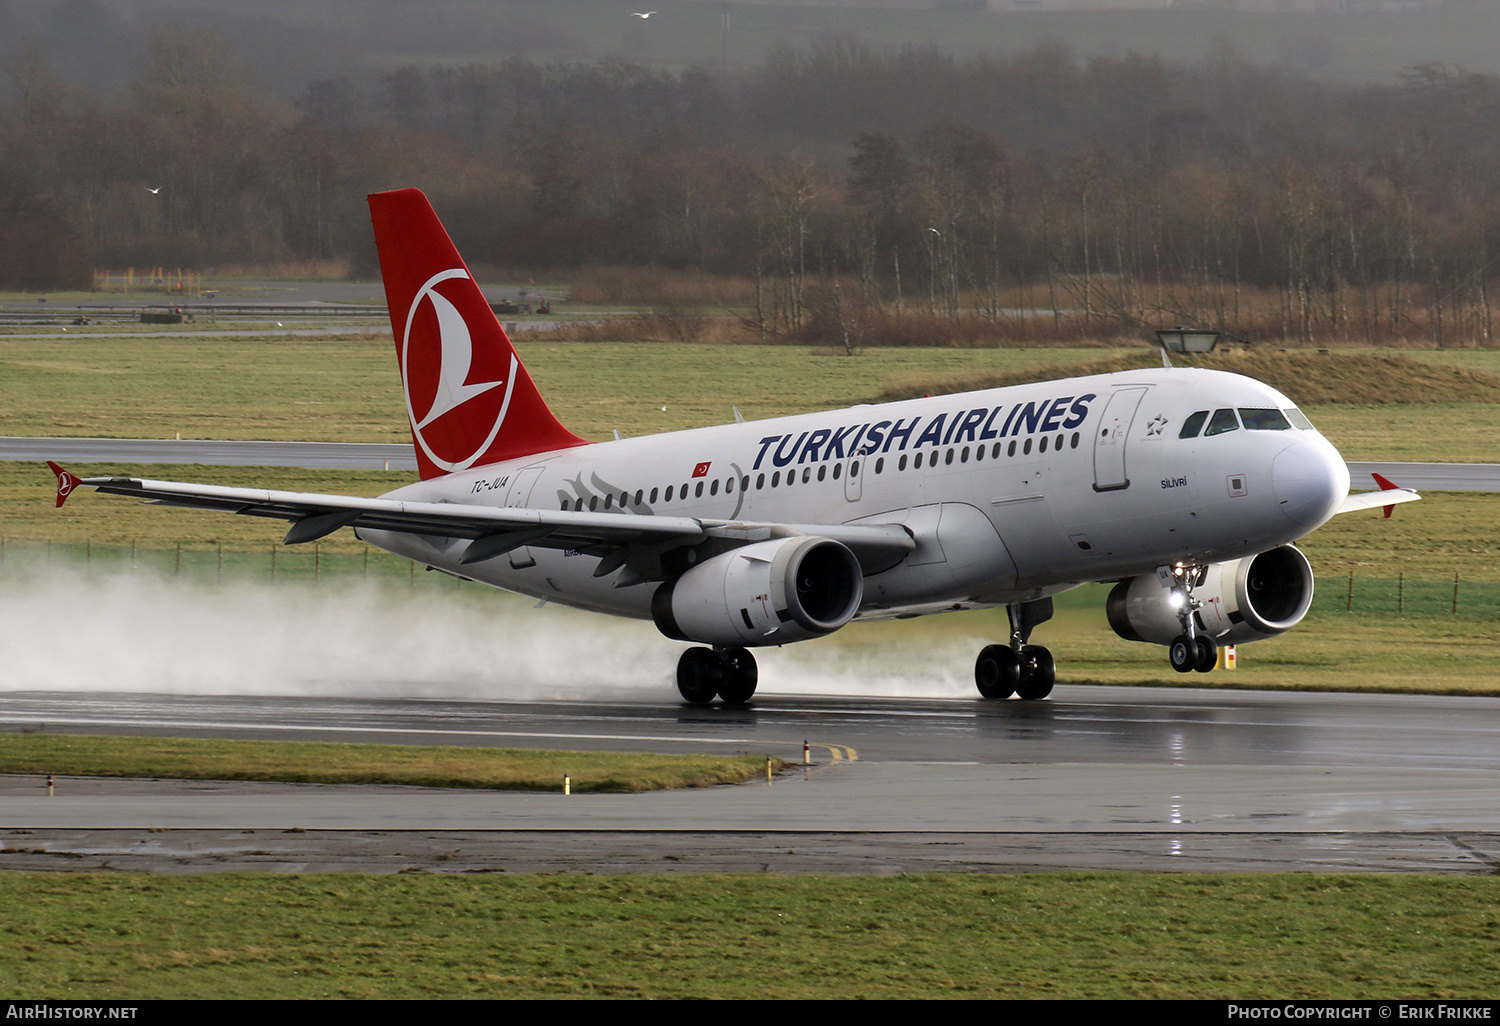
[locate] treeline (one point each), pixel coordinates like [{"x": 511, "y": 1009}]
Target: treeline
[{"x": 855, "y": 188}]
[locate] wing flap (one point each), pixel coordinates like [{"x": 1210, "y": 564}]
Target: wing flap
[
  {"x": 494, "y": 530},
  {"x": 433, "y": 518}
]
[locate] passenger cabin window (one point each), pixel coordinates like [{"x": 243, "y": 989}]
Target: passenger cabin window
[
  {"x": 1193, "y": 425},
  {"x": 1222, "y": 421},
  {"x": 1264, "y": 420}
]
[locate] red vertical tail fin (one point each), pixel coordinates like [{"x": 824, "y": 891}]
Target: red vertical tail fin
[{"x": 468, "y": 396}]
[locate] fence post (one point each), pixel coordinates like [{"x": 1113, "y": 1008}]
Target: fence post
[
  {"x": 317, "y": 561},
  {"x": 1401, "y": 592},
  {"x": 1455, "y": 593},
  {"x": 177, "y": 567},
  {"x": 273, "y": 562},
  {"x": 221, "y": 562},
  {"x": 1349, "y": 602}
]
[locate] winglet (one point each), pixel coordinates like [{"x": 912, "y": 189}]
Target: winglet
[
  {"x": 1386, "y": 485},
  {"x": 66, "y": 482}
]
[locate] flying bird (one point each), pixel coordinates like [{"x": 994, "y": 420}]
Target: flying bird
[
  {"x": 154, "y": 191},
  {"x": 643, "y": 15}
]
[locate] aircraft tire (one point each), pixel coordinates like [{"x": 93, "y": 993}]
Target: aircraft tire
[
  {"x": 699, "y": 675},
  {"x": 739, "y": 676},
  {"x": 997, "y": 672},
  {"x": 1208, "y": 655},
  {"x": 1183, "y": 653},
  {"x": 1038, "y": 673}
]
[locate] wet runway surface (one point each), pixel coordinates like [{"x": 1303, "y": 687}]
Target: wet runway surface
[{"x": 1095, "y": 778}]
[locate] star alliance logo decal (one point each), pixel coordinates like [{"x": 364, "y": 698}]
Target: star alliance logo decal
[{"x": 1154, "y": 426}]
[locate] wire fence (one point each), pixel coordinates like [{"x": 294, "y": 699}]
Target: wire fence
[{"x": 1404, "y": 595}]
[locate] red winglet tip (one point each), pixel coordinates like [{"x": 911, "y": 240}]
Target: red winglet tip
[
  {"x": 1385, "y": 483},
  {"x": 65, "y": 483},
  {"x": 1388, "y": 511}
]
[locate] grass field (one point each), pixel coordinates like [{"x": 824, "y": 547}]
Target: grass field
[
  {"x": 500, "y": 769},
  {"x": 346, "y": 389},
  {"x": 681, "y": 936}
]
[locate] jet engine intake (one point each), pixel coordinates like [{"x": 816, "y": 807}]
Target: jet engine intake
[
  {"x": 1242, "y": 600},
  {"x": 768, "y": 593}
]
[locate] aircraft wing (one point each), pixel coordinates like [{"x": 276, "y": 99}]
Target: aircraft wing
[
  {"x": 493, "y": 530},
  {"x": 1388, "y": 495}
]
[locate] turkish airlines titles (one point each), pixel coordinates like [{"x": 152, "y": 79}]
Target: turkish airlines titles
[{"x": 822, "y": 444}]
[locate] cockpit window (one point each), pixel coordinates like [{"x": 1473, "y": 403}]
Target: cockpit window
[
  {"x": 1299, "y": 419},
  {"x": 1193, "y": 425},
  {"x": 1264, "y": 420},
  {"x": 1222, "y": 421}
]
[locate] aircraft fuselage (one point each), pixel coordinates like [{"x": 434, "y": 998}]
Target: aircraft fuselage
[{"x": 1011, "y": 494}]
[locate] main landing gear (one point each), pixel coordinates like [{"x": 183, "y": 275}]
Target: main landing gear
[
  {"x": 728, "y": 673},
  {"x": 1189, "y": 650},
  {"x": 1020, "y": 667}
]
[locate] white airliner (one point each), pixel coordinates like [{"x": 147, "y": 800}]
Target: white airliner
[{"x": 1185, "y": 486}]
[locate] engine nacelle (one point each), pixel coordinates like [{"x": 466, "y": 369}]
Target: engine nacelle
[
  {"x": 1242, "y": 600},
  {"x": 768, "y": 593}
]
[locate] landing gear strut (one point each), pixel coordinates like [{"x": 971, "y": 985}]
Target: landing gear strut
[
  {"x": 729, "y": 673},
  {"x": 1020, "y": 667},
  {"x": 1189, "y": 650}
]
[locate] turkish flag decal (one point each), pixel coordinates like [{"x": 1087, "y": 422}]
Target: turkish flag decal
[{"x": 701, "y": 470}]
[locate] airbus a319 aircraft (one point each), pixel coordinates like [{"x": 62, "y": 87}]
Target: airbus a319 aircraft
[{"x": 1184, "y": 486}]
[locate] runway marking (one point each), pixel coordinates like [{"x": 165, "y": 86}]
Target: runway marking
[{"x": 837, "y": 752}]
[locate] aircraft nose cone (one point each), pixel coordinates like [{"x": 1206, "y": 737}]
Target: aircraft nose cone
[{"x": 1311, "y": 480}]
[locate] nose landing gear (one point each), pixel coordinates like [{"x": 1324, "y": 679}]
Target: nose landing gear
[
  {"x": 1020, "y": 667},
  {"x": 1189, "y": 650}
]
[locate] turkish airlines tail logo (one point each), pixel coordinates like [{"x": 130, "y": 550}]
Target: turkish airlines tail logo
[{"x": 469, "y": 399}]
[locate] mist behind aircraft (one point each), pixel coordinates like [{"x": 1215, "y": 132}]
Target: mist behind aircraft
[{"x": 138, "y": 632}]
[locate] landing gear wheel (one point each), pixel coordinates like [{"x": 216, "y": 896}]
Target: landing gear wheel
[
  {"x": 997, "y": 671},
  {"x": 1183, "y": 652},
  {"x": 699, "y": 675},
  {"x": 1208, "y": 655},
  {"x": 1038, "y": 673},
  {"x": 740, "y": 675}
]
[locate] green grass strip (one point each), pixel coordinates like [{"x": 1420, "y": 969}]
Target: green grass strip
[
  {"x": 317, "y": 762},
  {"x": 88, "y": 936}
]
